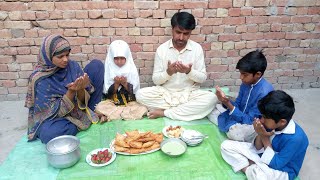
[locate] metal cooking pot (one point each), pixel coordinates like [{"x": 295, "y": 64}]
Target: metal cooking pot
[{"x": 63, "y": 151}]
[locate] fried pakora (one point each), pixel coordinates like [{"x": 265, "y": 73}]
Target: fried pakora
[{"x": 135, "y": 142}]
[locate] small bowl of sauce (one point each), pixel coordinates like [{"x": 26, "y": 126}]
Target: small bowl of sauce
[{"x": 173, "y": 147}]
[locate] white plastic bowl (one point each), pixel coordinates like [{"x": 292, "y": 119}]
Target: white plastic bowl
[{"x": 192, "y": 137}]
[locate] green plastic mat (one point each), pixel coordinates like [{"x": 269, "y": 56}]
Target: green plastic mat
[
  {"x": 201, "y": 162},
  {"x": 28, "y": 160}
]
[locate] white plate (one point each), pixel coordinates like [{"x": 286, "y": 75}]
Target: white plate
[
  {"x": 164, "y": 132},
  {"x": 124, "y": 153},
  {"x": 88, "y": 158}
]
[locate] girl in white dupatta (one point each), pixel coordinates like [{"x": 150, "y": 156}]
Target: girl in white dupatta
[{"x": 121, "y": 79}]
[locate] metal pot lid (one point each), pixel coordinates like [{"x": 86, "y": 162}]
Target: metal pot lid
[{"x": 62, "y": 144}]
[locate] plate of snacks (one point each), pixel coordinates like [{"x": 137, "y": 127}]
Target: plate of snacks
[
  {"x": 136, "y": 142},
  {"x": 172, "y": 131},
  {"x": 101, "y": 157}
]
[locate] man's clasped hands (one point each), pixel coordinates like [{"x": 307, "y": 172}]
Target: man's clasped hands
[{"x": 178, "y": 67}]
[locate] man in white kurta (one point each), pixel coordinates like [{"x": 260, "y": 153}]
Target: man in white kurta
[{"x": 179, "y": 69}]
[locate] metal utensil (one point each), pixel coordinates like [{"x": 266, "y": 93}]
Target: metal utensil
[
  {"x": 201, "y": 136},
  {"x": 63, "y": 151},
  {"x": 198, "y": 137}
]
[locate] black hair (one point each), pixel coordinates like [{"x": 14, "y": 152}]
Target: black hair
[
  {"x": 253, "y": 62},
  {"x": 277, "y": 105},
  {"x": 184, "y": 20}
]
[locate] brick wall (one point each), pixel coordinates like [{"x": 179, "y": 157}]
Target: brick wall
[{"x": 287, "y": 30}]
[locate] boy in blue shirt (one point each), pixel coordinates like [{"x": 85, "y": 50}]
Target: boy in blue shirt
[
  {"x": 278, "y": 150},
  {"x": 237, "y": 120}
]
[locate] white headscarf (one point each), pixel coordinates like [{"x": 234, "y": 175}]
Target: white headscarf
[{"x": 119, "y": 48}]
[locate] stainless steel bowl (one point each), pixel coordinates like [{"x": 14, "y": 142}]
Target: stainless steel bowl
[
  {"x": 63, "y": 151},
  {"x": 173, "y": 147}
]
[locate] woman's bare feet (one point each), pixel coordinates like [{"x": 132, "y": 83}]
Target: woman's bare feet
[{"x": 155, "y": 113}]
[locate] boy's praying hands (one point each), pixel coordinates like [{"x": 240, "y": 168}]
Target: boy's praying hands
[
  {"x": 263, "y": 138},
  {"x": 223, "y": 98}
]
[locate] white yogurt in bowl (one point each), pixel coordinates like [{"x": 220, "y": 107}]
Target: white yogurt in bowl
[{"x": 173, "y": 147}]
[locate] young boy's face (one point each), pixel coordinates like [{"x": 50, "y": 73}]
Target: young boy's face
[
  {"x": 270, "y": 124},
  {"x": 249, "y": 78},
  {"x": 119, "y": 61}
]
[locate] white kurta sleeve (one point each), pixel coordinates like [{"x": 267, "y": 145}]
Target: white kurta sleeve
[
  {"x": 160, "y": 75},
  {"x": 198, "y": 70},
  {"x": 267, "y": 155}
]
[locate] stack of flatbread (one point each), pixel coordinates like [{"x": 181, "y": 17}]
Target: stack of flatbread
[
  {"x": 109, "y": 111},
  {"x": 135, "y": 142}
]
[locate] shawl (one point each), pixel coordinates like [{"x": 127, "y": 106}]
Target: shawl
[
  {"x": 47, "y": 83},
  {"x": 119, "y": 48}
]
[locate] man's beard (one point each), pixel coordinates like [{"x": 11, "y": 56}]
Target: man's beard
[{"x": 180, "y": 43}]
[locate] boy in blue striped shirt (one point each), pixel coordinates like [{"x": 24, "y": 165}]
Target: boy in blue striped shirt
[
  {"x": 237, "y": 120},
  {"x": 278, "y": 150}
]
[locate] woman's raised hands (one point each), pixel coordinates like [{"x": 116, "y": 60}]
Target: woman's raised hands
[{"x": 80, "y": 83}]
